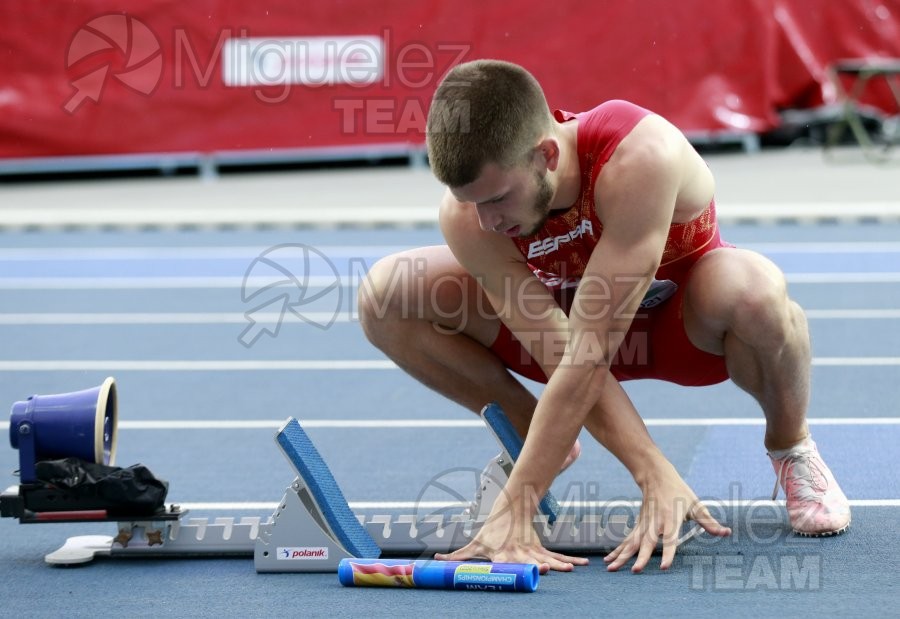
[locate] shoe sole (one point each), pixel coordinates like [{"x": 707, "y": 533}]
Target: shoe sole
[{"x": 824, "y": 533}]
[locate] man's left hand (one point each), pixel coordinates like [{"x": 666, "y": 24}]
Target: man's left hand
[{"x": 668, "y": 503}]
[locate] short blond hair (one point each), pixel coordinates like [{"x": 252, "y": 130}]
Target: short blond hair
[{"x": 485, "y": 111}]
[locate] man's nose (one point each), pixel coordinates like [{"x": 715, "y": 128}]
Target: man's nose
[{"x": 489, "y": 219}]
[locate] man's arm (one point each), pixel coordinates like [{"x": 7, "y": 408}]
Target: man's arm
[
  {"x": 530, "y": 311},
  {"x": 636, "y": 194},
  {"x": 532, "y": 314}
]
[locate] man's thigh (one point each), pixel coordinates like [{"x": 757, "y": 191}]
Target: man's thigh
[
  {"x": 428, "y": 283},
  {"x": 723, "y": 289}
]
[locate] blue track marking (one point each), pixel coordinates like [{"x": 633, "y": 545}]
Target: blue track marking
[{"x": 321, "y": 483}]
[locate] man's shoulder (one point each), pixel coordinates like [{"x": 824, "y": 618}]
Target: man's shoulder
[
  {"x": 609, "y": 110},
  {"x": 603, "y": 129},
  {"x": 621, "y": 106},
  {"x": 458, "y": 224},
  {"x": 452, "y": 214}
]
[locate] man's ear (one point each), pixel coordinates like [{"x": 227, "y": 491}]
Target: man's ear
[{"x": 547, "y": 153}]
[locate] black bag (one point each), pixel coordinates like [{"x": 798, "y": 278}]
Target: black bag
[{"x": 132, "y": 490}]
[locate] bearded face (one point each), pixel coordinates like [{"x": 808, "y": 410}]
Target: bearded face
[{"x": 540, "y": 207}]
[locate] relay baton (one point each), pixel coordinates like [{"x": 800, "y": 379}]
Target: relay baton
[{"x": 431, "y": 574}]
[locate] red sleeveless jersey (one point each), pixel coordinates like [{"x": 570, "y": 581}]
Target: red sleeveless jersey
[{"x": 558, "y": 253}]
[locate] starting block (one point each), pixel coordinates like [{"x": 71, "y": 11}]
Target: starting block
[
  {"x": 313, "y": 527},
  {"x": 313, "y": 524}
]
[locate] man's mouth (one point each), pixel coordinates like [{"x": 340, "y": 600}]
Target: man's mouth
[{"x": 512, "y": 232}]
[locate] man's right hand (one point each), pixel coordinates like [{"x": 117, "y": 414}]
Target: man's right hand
[
  {"x": 668, "y": 503},
  {"x": 508, "y": 536}
]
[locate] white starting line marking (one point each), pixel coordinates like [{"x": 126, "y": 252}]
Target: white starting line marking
[
  {"x": 439, "y": 505},
  {"x": 274, "y": 424},
  {"x": 348, "y": 315},
  {"x": 111, "y": 365}
]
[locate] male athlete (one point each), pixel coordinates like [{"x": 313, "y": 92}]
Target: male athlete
[{"x": 583, "y": 250}]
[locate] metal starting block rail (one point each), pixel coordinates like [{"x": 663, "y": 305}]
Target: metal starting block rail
[{"x": 312, "y": 528}]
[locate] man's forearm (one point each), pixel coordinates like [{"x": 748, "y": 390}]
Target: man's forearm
[
  {"x": 557, "y": 421},
  {"x": 575, "y": 398},
  {"x": 616, "y": 425}
]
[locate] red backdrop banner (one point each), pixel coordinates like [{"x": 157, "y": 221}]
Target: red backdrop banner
[{"x": 150, "y": 76}]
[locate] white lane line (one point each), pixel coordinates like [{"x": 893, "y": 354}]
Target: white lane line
[
  {"x": 825, "y": 247},
  {"x": 202, "y": 424},
  {"x": 475, "y": 423},
  {"x": 855, "y": 361},
  {"x": 195, "y": 366},
  {"x": 437, "y": 505},
  {"x": 314, "y": 282},
  {"x": 157, "y": 283},
  {"x": 852, "y": 314},
  {"x": 118, "y": 254},
  {"x": 843, "y": 278},
  {"x": 472, "y": 423},
  {"x": 81, "y": 365},
  {"x": 343, "y": 316},
  {"x": 270, "y": 424},
  {"x": 759, "y": 421},
  {"x": 170, "y": 318}
]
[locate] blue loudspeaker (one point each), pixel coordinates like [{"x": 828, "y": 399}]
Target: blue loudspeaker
[{"x": 81, "y": 424}]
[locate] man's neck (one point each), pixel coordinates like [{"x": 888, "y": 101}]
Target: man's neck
[{"x": 568, "y": 173}]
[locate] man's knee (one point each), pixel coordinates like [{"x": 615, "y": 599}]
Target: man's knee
[
  {"x": 743, "y": 293},
  {"x": 762, "y": 312},
  {"x": 426, "y": 284},
  {"x": 380, "y": 295}
]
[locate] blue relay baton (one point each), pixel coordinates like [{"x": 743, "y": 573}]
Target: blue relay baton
[{"x": 431, "y": 574}]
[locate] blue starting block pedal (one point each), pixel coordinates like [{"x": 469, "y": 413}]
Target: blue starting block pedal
[
  {"x": 313, "y": 527},
  {"x": 511, "y": 443}
]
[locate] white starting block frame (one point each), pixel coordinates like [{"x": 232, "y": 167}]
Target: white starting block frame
[{"x": 297, "y": 537}]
